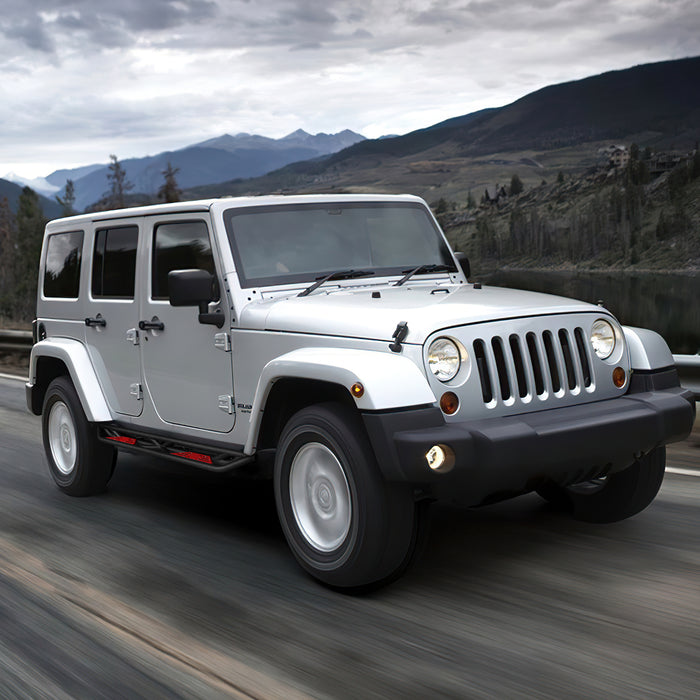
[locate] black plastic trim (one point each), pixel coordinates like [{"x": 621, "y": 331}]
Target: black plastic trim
[{"x": 515, "y": 454}]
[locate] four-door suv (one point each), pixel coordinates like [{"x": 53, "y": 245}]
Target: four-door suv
[{"x": 335, "y": 345}]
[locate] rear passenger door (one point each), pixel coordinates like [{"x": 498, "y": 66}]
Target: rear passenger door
[
  {"x": 112, "y": 314},
  {"x": 186, "y": 364}
]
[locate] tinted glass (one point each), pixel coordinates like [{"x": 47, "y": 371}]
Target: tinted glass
[
  {"x": 62, "y": 270},
  {"x": 114, "y": 262},
  {"x": 294, "y": 243},
  {"x": 179, "y": 246}
]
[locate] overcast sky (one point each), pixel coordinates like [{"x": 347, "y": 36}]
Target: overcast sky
[{"x": 80, "y": 79}]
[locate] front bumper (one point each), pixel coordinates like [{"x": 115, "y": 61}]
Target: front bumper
[{"x": 500, "y": 457}]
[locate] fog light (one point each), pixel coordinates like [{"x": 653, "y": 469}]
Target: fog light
[
  {"x": 619, "y": 377},
  {"x": 440, "y": 458},
  {"x": 449, "y": 403}
]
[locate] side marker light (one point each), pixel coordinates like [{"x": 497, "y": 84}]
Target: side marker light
[{"x": 357, "y": 390}]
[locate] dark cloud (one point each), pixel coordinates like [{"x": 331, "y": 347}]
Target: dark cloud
[
  {"x": 45, "y": 24},
  {"x": 31, "y": 34},
  {"x": 313, "y": 46},
  {"x": 142, "y": 75}
]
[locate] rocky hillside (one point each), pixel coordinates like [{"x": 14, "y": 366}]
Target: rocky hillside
[{"x": 608, "y": 217}]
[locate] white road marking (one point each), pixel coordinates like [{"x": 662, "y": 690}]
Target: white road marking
[{"x": 683, "y": 472}]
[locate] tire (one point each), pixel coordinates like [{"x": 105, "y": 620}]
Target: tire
[
  {"x": 79, "y": 463},
  {"x": 345, "y": 525},
  {"x": 615, "y": 497}
]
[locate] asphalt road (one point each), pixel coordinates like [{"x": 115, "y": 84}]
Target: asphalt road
[{"x": 177, "y": 583}]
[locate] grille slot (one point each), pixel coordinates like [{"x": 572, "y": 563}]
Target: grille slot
[
  {"x": 482, "y": 365},
  {"x": 519, "y": 367},
  {"x": 501, "y": 368}
]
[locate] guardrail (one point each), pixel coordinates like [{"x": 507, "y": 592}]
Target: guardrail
[
  {"x": 688, "y": 366},
  {"x": 15, "y": 341}
]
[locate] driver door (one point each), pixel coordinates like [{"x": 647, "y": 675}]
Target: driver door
[{"x": 186, "y": 365}]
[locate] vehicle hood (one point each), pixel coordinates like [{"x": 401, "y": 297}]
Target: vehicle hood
[{"x": 426, "y": 309}]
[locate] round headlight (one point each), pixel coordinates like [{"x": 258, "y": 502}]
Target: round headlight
[
  {"x": 603, "y": 338},
  {"x": 444, "y": 359}
]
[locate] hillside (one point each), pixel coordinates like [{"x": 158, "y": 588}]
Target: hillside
[
  {"x": 12, "y": 191},
  {"x": 620, "y": 218},
  {"x": 558, "y": 128}
]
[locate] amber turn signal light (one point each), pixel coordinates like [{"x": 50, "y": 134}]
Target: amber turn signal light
[
  {"x": 449, "y": 403},
  {"x": 619, "y": 377},
  {"x": 357, "y": 390}
]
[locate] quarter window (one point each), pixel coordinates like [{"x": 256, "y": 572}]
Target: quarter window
[
  {"x": 62, "y": 268},
  {"x": 181, "y": 245},
  {"x": 114, "y": 262}
]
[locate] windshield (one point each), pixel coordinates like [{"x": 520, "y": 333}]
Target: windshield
[{"x": 291, "y": 243}]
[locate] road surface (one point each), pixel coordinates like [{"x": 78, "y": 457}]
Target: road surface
[{"x": 178, "y": 583}]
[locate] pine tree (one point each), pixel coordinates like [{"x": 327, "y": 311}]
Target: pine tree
[
  {"x": 8, "y": 231},
  {"x": 68, "y": 200},
  {"x": 30, "y": 233},
  {"x": 118, "y": 184},
  {"x": 169, "y": 191},
  {"x": 516, "y": 185}
]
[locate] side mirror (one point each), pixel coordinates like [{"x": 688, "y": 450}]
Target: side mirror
[
  {"x": 190, "y": 287},
  {"x": 463, "y": 261},
  {"x": 195, "y": 288}
]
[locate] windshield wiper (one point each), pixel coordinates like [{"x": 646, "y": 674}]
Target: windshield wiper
[
  {"x": 337, "y": 275},
  {"x": 423, "y": 270}
]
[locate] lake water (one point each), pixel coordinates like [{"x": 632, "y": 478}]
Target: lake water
[{"x": 668, "y": 304}]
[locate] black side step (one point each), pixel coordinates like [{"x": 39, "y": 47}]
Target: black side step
[{"x": 189, "y": 453}]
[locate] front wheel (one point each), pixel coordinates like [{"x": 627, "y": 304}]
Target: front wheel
[
  {"x": 79, "y": 463},
  {"x": 345, "y": 525},
  {"x": 614, "y": 497}
]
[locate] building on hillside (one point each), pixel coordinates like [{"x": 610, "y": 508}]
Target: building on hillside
[{"x": 661, "y": 163}]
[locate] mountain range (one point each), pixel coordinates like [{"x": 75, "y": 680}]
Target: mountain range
[
  {"x": 556, "y": 129},
  {"x": 221, "y": 158}
]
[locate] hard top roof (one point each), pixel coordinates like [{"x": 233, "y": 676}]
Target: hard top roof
[{"x": 221, "y": 204}]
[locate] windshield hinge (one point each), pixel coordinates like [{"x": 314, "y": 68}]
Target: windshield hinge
[
  {"x": 400, "y": 334},
  {"x": 222, "y": 341}
]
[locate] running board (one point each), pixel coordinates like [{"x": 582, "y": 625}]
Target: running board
[{"x": 177, "y": 450}]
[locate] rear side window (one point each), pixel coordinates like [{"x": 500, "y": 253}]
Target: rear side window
[
  {"x": 62, "y": 269},
  {"x": 114, "y": 262},
  {"x": 179, "y": 245}
]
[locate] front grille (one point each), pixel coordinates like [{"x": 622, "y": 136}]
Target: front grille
[{"x": 525, "y": 366}]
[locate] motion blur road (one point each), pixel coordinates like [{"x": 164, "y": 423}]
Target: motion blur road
[{"x": 178, "y": 583}]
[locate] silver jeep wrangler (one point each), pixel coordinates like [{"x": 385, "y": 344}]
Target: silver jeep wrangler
[{"x": 335, "y": 345}]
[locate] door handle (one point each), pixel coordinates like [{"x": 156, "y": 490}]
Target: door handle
[
  {"x": 97, "y": 321},
  {"x": 154, "y": 325}
]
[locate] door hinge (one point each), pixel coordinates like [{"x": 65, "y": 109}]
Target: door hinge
[
  {"x": 136, "y": 391},
  {"x": 132, "y": 335},
  {"x": 226, "y": 403},
  {"x": 222, "y": 341}
]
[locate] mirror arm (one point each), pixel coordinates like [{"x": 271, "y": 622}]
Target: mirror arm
[{"x": 210, "y": 319}]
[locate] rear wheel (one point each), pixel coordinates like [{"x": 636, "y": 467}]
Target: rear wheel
[
  {"x": 615, "y": 497},
  {"x": 79, "y": 463},
  {"x": 345, "y": 525}
]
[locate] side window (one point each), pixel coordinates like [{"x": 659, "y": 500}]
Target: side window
[
  {"x": 179, "y": 245},
  {"x": 114, "y": 262},
  {"x": 62, "y": 270}
]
